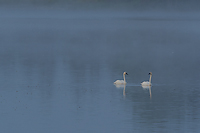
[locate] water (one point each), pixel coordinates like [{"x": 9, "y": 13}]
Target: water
[{"x": 58, "y": 67}]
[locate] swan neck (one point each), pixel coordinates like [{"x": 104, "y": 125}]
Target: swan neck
[
  {"x": 150, "y": 79},
  {"x": 124, "y": 78}
]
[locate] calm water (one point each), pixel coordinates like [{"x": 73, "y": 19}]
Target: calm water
[{"x": 57, "y": 69}]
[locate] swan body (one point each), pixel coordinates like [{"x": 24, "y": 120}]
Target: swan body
[
  {"x": 121, "y": 82},
  {"x": 147, "y": 83}
]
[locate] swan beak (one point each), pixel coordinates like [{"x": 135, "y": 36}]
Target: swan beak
[{"x": 126, "y": 73}]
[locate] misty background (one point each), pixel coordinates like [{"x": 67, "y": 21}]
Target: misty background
[
  {"x": 59, "y": 59},
  {"x": 174, "y": 5}
]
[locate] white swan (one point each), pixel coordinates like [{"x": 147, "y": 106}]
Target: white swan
[
  {"x": 121, "y": 82},
  {"x": 147, "y": 83}
]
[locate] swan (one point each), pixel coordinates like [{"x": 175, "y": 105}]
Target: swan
[
  {"x": 121, "y": 82},
  {"x": 147, "y": 83}
]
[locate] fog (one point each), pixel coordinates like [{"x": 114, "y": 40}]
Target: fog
[
  {"x": 142, "y": 5},
  {"x": 59, "y": 59}
]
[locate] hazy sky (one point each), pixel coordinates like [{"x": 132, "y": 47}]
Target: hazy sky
[{"x": 116, "y": 4}]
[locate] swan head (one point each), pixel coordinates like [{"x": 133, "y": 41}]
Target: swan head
[
  {"x": 150, "y": 73},
  {"x": 125, "y": 73}
]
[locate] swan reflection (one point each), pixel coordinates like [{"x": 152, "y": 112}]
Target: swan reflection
[
  {"x": 124, "y": 93},
  {"x": 147, "y": 88},
  {"x": 121, "y": 86}
]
